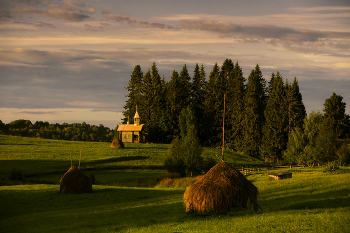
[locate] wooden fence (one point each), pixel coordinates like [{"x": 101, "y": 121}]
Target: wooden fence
[{"x": 245, "y": 171}]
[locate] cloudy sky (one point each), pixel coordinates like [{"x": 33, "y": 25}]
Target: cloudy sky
[{"x": 70, "y": 61}]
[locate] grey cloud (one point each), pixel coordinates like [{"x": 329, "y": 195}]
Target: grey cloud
[
  {"x": 299, "y": 40},
  {"x": 119, "y": 18},
  {"x": 144, "y": 24},
  {"x": 68, "y": 12},
  {"x": 43, "y": 24},
  {"x": 36, "y": 113},
  {"x": 65, "y": 14},
  {"x": 93, "y": 28},
  {"x": 257, "y": 31}
]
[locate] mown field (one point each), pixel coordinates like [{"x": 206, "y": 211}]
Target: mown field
[{"x": 312, "y": 201}]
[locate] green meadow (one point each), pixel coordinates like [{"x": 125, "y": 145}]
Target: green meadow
[{"x": 127, "y": 196}]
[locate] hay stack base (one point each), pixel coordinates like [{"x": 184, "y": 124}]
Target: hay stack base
[
  {"x": 222, "y": 189},
  {"x": 74, "y": 181},
  {"x": 117, "y": 143}
]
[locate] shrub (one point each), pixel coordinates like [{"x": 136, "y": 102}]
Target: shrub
[
  {"x": 174, "y": 161},
  {"x": 331, "y": 167},
  {"x": 344, "y": 154}
]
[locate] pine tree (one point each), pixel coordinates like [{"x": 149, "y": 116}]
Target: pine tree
[
  {"x": 134, "y": 96},
  {"x": 185, "y": 87},
  {"x": 334, "y": 108},
  {"x": 211, "y": 109},
  {"x": 296, "y": 109},
  {"x": 275, "y": 134},
  {"x": 235, "y": 107},
  {"x": 198, "y": 96},
  {"x": 157, "y": 105},
  {"x": 174, "y": 103},
  {"x": 144, "y": 109},
  {"x": 255, "y": 102}
]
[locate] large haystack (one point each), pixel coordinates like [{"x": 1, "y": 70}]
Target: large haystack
[
  {"x": 223, "y": 188},
  {"x": 117, "y": 143},
  {"x": 74, "y": 181}
]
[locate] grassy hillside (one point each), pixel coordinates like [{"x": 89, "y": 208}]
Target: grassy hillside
[
  {"x": 47, "y": 160},
  {"x": 311, "y": 201}
]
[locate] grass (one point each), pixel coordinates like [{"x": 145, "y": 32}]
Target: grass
[
  {"x": 312, "y": 201},
  {"x": 45, "y": 161},
  {"x": 315, "y": 202}
]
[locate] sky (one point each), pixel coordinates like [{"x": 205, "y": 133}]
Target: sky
[{"x": 70, "y": 61}]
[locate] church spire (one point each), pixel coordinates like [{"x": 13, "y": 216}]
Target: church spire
[{"x": 136, "y": 118}]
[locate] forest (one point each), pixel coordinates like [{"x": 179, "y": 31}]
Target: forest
[
  {"x": 263, "y": 119},
  {"x": 65, "y": 131}
]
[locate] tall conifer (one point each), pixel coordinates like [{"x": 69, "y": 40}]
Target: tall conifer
[
  {"x": 255, "y": 102},
  {"x": 235, "y": 107},
  {"x": 157, "y": 105},
  {"x": 334, "y": 108},
  {"x": 134, "y": 96},
  {"x": 275, "y": 133},
  {"x": 211, "y": 108},
  {"x": 174, "y": 102},
  {"x": 198, "y": 96},
  {"x": 296, "y": 109},
  {"x": 185, "y": 90},
  {"x": 144, "y": 109}
]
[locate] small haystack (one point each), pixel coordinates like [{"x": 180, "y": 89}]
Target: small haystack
[
  {"x": 117, "y": 143},
  {"x": 74, "y": 181},
  {"x": 223, "y": 188}
]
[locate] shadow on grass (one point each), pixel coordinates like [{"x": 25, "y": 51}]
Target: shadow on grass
[
  {"x": 117, "y": 208},
  {"x": 117, "y": 159},
  {"x": 325, "y": 200}
]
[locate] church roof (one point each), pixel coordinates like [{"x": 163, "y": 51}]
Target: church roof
[
  {"x": 136, "y": 115},
  {"x": 130, "y": 128}
]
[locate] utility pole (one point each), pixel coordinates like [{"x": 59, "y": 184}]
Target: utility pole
[{"x": 223, "y": 131}]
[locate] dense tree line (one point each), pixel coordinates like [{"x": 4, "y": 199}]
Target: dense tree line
[
  {"x": 260, "y": 115},
  {"x": 74, "y": 132}
]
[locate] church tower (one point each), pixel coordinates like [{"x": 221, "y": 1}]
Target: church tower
[{"x": 136, "y": 118}]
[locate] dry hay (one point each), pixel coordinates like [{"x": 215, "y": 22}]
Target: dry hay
[
  {"x": 117, "y": 143},
  {"x": 74, "y": 181},
  {"x": 223, "y": 188}
]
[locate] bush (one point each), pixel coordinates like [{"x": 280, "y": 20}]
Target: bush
[
  {"x": 174, "y": 161},
  {"x": 344, "y": 154},
  {"x": 331, "y": 167},
  {"x": 16, "y": 174}
]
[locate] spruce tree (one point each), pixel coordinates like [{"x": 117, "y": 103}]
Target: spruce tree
[
  {"x": 144, "y": 109},
  {"x": 211, "y": 109},
  {"x": 185, "y": 86},
  {"x": 134, "y": 96},
  {"x": 275, "y": 134},
  {"x": 334, "y": 108},
  {"x": 254, "y": 102},
  {"x": 235, "y": 107},
  {"x": 198, "y": 96},
  {"x": 296, "y": 109},
  {"x": 174, "y": 102},
  {"x": 157, "y": 105}
]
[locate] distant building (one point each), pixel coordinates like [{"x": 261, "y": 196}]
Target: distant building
[{"x": 132, "y": 133}]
